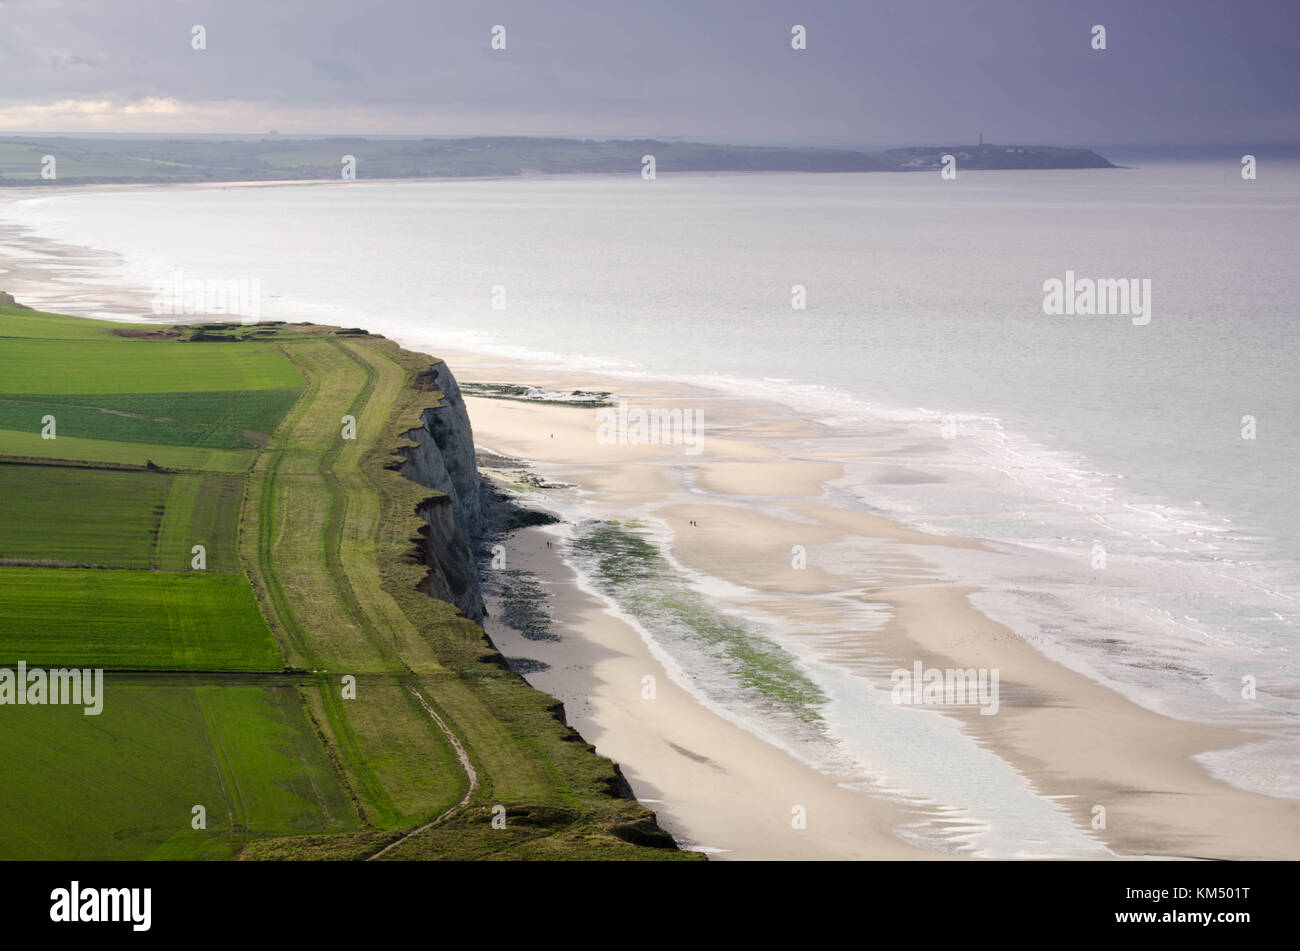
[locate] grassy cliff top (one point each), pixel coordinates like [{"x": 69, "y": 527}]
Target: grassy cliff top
[{"x": 212, "y": 515}]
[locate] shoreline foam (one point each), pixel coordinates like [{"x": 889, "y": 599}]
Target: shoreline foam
[
  {"x": 940, "y": 621},
  {"x": 735, "y": 478}
]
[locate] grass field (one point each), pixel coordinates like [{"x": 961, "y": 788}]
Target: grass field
[
  {"x": 227, "y": 419},
  {"x": 201, "y": 509},
  {"x": 15, "y": 322},
  {"x": 73, "y": 617},
  {"x": 310, "y": 566},
  {"x": 81, "y": 516},
  {"x": 22, "y": 162},
  {"x": 31, "y": 445},
  {"x": 140, "y": 366},
  {"x": 122, "y": 785},
  {"x": 177, "y": 404},
  {"x": 360, "y": 610},
  {"x": 116, "y": 518},
  {"x": 403, "y": 769}
]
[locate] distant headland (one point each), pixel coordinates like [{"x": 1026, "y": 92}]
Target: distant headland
[{"x": 36, "y": 161}]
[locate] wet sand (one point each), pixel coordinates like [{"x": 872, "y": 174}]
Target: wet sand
[
  {"x": 736, "y": 512},
  {"x": 1074, "y": 740}
]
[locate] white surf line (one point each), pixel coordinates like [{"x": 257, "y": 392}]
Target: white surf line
[{"x": 465, "y": 765}]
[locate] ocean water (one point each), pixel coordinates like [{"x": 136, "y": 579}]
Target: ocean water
[{"x": 1054, "y": 437}]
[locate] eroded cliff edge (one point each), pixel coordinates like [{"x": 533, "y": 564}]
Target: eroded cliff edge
[
  {"x": 442, "y": 459},
  {"x": 465, "y": 515}
]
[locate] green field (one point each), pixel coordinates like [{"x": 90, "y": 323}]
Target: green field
[
  {"x": 312, "y": 577},
  {"x": 393, "y": 755},
  {"x": 115, "y": 365},
  {"x": 21, "y": 162},
  {"x": 73, "y": 617},
  {"x": 20, "y": 322},
  {"x": 238, "y": 419},
  {"x": 31, "y": 445},
  {"x": 201, "y": 509},
  {"x": 117, "y": 518},
  {"x": 80, "y": 516},
  {"x": 122, "y": 785}
]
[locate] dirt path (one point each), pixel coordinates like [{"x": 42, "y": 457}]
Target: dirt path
[{"x": 465, "y": 765}]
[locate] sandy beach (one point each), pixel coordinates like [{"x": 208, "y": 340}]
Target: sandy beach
[
  {"x": 738, "y": 512},
  {"x": 719, "y": 787}
]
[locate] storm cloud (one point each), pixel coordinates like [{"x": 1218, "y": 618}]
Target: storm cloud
[{"x": 873, "y": 74}]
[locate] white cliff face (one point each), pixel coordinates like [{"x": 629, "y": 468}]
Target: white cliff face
[
  {"x": 453, "y": 575},
  {"x": 443, "y": 460}
]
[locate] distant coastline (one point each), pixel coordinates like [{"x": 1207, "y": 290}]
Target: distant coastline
[{"x": 63, "y": 160}]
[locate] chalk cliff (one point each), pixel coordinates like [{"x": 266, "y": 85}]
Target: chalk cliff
[{"x": 442, "y": 459}]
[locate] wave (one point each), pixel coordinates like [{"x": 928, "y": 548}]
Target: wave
[{"x": 1188, "y": 602}]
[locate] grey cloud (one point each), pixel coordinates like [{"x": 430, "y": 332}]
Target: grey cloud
[{"x": 874, "y": 73}]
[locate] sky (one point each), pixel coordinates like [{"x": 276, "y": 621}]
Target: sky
[{"x": 874, "y": 73}]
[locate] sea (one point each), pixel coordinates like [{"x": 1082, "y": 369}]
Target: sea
[{"x": 1140, "y": 468}]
